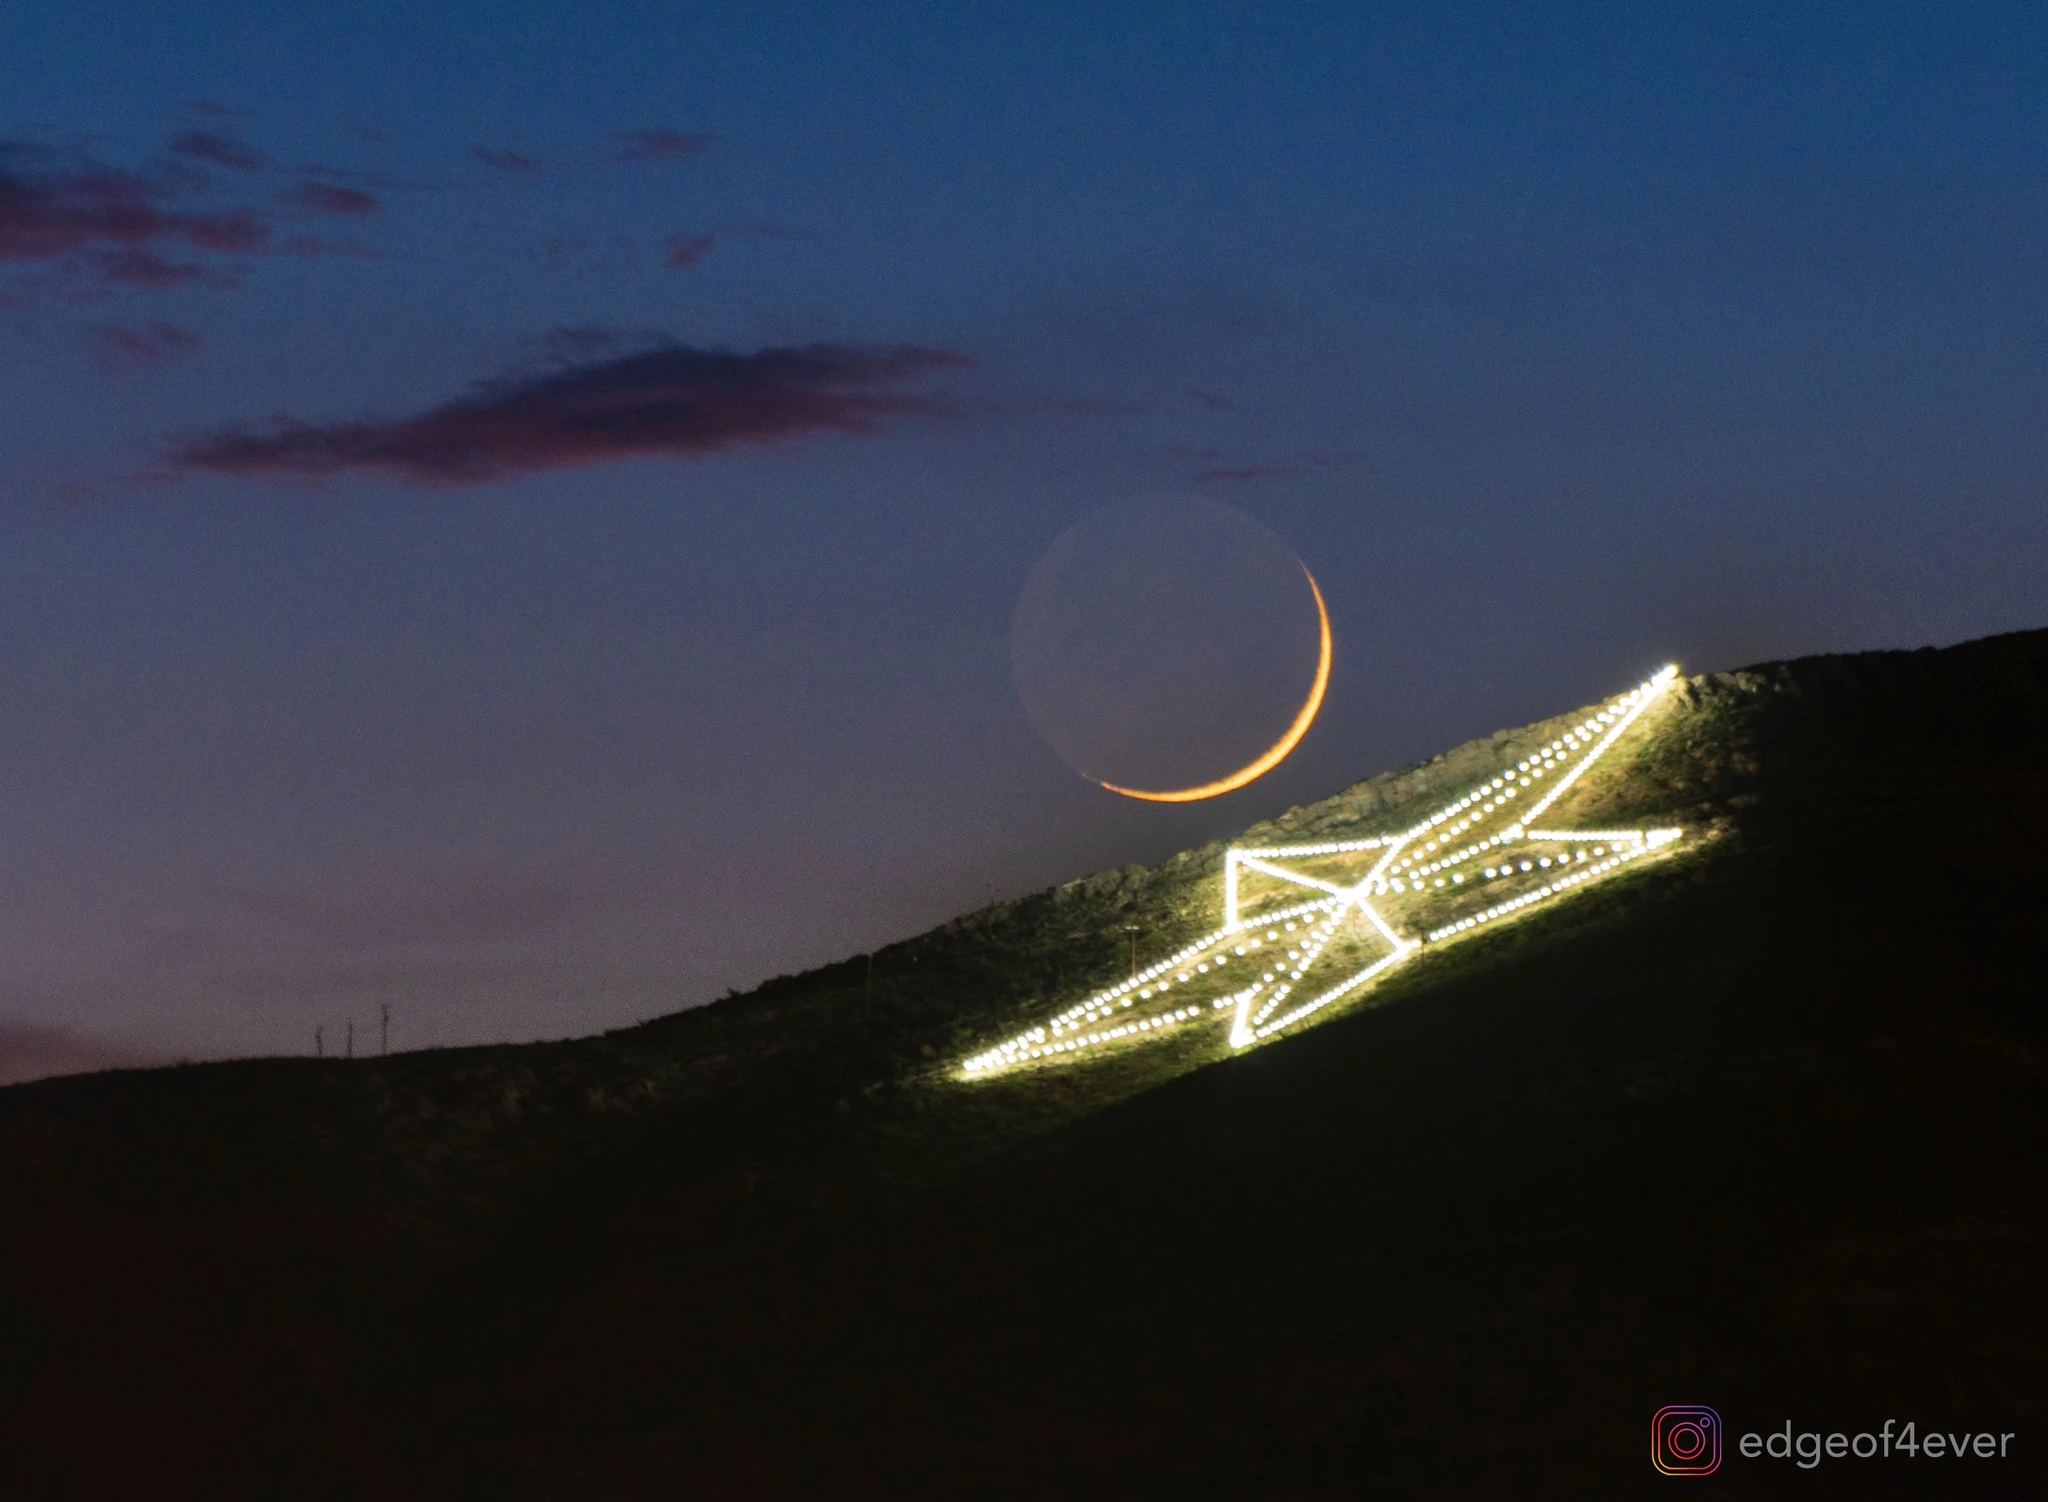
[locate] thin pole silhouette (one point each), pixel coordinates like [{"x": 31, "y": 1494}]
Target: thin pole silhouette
[
  {"x": 319, "y": 1044},
  {"x": 351, "y": 1038},
  {"x": 384, "y": 1030}
]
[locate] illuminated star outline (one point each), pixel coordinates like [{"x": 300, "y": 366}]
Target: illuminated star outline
[{"x": 1414, "y": 894}]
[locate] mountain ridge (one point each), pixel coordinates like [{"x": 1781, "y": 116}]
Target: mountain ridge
[{"x": 461, "y": 1254}]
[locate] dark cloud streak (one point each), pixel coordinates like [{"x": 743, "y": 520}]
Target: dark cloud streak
[
  {"x": 141, "y": 349},
  {"x": 326, "y": 198},
  {"x": 668, "y": 401},
  {"x": 628, "y": 148},
  {"x": 218, "y": 150},
  {"x": 1298, "y": 467},
  {"x": 659, "y": 145},
  {"x": 685, "y": 251},
  {"x": 97, "y": 224},
  {"x": 518, "y": 163},
  {"x": 145, "y": 268},
  {"x": 47, "y": 215},
  {"x": 1253, "y": 472},
  {"x": 313, "y": 245}
]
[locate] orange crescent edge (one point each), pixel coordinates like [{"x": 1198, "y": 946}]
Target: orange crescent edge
[{"x": 1278, "y": 752}]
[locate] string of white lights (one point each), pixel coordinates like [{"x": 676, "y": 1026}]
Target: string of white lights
[
  {"x": 1339, "y": 847},
  {"x": 1648, "y": 692},
  {"x": 1155, "y": 980},
  {"x": 1252, "y": 863},
  {"x": 1647, "y": 840},
  {"x": 1414, "y": 863},
  {"x": 1297, "y": 963},
  {"x": 1335, "y": 993}
]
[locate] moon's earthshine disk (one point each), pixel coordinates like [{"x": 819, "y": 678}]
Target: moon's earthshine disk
[{"x": 1162, "y": 644}]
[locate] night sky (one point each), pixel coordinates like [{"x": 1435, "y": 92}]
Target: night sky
[{"x": 514, "y": 511}]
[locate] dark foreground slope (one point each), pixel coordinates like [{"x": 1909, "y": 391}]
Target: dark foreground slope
[{"x": 1763, "y": 1129}]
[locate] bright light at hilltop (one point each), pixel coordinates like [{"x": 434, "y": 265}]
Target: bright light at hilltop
[{"x": 1407, "y": 867}]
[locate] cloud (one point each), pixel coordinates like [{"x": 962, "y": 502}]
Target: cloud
[
  {"x": 326, "y": 198},
  {"x": 765, "y": 230},
  {"x": 518, "y": 163},
  {"x": 1253, "y": 472},
  {"x": 362, "y": 130},
  {"x": 218, "y": 150},
  {"x": 575, "y": 255},
  {"x": 96, "y": 223},
  {"x": 1291, "y": 469},
  {"x": 659, "y": 145},
  {"x": 348, "y": 250},
  {"x": 685, "y": 251},
  {"x": 29, "y": 1051},
  {"x": 140, "y": 349},
  {"x": 628, "y": 146},
  {"x": 43, "y": 216},
  {"x": 145, "y": 268},
  {"x": 669, "y": 400},
  {"x": 1081, "y": 406}
]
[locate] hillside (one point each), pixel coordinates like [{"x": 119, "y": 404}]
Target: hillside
[{"x": 1759, "y": 1124}]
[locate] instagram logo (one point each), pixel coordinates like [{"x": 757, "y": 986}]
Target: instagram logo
[{"x": 1685, "y": 1440}]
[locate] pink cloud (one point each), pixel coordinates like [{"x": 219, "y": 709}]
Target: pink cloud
[
  {"x": 669, "y": 401},
  {"x": 659, "y": 145},
  {"x": 517, "y": 163},
  {"x": 43, "y": 216},
  {"x": 1253, "y": 472},
  {"x": 141, "y": 349},
  {"x": 145, "y": 268},
  {"x": 97, "y": 224},
  {"x": 1291, "y": 469},
  {"x": 685, "y": 251},
  {"x": 326, "y": 198},
  {"x": 348, "y": 250},
  {"x": 218, "y": 150},
  {"x": 766, "y": 230}
]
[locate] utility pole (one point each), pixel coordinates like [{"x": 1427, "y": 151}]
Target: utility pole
[
  {"x": 351, "y": 1038},
  {"x": 319, "y": 1045},
  {"x": 1132, "y": 930},
  {"x": 384, "y": 1030}
]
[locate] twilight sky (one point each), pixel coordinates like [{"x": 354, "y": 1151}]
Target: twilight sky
[{"x": 514, "y": 510}]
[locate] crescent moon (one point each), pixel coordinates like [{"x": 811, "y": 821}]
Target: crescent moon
[{"x": 1275, "y": 754}]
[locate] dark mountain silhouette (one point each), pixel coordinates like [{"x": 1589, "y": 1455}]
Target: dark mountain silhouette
[{"x": 1760, "y": 1126}]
